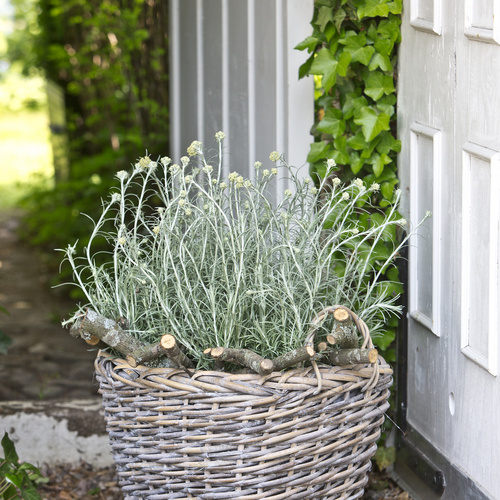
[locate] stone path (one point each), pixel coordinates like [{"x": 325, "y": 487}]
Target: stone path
[{"x": 43, "y": 361}]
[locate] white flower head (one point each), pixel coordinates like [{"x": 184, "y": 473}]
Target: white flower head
[
  {"x": 233, "y": 176},
  {"x": 402, "y": 222},
  {"x": 116, "y": 197},
  {"x": 143, "y": 163},
  {"x": 265, "y": 172},
  {"x": 188, "y": 212},
  {"x": 194, "y": 148},
  {"x": 156, "y": 229},
  {"x": 182, "y": 202},
  {"x": 274, "y": 171},
  {"x": 331, "y": 163},
  {"x": 220, "y": 136},
  {"x": 165, "y": 161},
  {"x": 185, "y": 161},
  {"x": 355, "y": 230},
  {"x": 247, "y": 184},
  {"x": 288, "y": 193},
  {"x": 375, "y": 187},
  {"x": 274, "y": 156},
  {"x": 188, "y": 179},
  {"x": 223, "y": 185},
  {"x": 122, "y": 175},
  {"x": 336, "y": 181},
  {"x": 160, "y": 210},
  {"x": 345, "y": 196},
  {"x": 122, "y": 241},
  {"x": 208, "y": 169},
  {"x": 174, "y": 169},
  {"x": 358, "y": 182},
  {"x": 257, "y": 165},
  {"x": 307, "y": 180},
  {"x": 314, "y": 190},
  {"x": 183, "y": 193}
]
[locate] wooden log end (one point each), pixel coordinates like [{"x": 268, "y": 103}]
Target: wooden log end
[
  {"x": 217, "y": 352},
  {"x": 322, "y": 346},
  {"x": 341, "y": 315},
  {"x": 310, "y": 351},
  {"x": 168, "y": 342},
  {"x": 266, "y": 366},
  {"x": 373, "y": 356},
  {"x": 92, "y": 340},
  {"x": 131, "y": 361},
  {"x": 331, "y": 339},
  {"x": 207, "y": 351}
]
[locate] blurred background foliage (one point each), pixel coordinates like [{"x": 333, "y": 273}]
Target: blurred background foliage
[{"x": 105, "y": 68}]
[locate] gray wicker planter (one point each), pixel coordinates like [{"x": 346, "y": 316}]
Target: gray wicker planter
[{"x": 219, "y": 435}]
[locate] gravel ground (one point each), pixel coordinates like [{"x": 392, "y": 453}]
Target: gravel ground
[{"x": 85, "y": 483}]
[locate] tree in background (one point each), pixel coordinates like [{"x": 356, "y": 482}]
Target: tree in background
[{"x": 110, "y": 59}]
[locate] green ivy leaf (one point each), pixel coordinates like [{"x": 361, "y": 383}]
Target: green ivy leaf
[
  {"x": 373, "y": 8},
  {"x": 395, "y": 7},
  {"x": 326, "y": 65},
  {"x": 9, "y": 449},
  {"x": 356, "y": 46},
  {"x": 387, "y": 188},
  {"x": 372, "y": 123},
  {"x": 353, "y": 103},
  {"x": 379, "y": 161},
  {"x": 309, "y": 43},
  {"x": 325, "y": 15},
  {"x": 380, "y": 61},
  {"x": 340, "y": 154},
  {"x": 386, "y": 339},
  {"x": 318, "y": 151},
  {"x": 357, "y": 141},
  {"x": 377, "y": 84},
  {"x": 306, "y": 67},
  {"x": 388, "y": 143},
  {"x": 332, "y": 123},
  {"x": 384, "y": 457},
  {"x": 357, "y": 162}
]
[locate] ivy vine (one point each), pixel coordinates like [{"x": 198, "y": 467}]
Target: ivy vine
[{"x": 353, "y": 57}]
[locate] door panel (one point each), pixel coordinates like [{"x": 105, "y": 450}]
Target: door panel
[{"x": 449, "y": 104}]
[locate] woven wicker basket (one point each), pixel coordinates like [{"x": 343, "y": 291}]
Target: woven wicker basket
[{"x": 304, "y": 433}]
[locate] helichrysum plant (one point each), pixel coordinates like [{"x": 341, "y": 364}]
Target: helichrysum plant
[{"x": 212, "y": 261}]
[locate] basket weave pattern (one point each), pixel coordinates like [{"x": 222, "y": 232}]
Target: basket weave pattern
[{"x": 218, "y": 435}]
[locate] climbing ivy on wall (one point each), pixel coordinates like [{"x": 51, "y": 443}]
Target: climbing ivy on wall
[{"x": 353, "y": 56}]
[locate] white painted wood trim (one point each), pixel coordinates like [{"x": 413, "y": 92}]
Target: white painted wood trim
[
  {"x": 175, "y": 95},
  {"x": 434, "y": 25},
  {"x": 490, "y": 362},
  {"x": 478, "y": 33},
  {"x": 435, "y": 135}
]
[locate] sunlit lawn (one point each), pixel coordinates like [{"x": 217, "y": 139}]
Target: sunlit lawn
[{"x": 25, "y": 152}]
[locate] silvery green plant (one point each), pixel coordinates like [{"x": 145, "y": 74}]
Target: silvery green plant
[{"x": 214, "y": 262}]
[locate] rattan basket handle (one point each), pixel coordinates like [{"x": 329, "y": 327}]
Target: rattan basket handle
[
  {"x": 360, "y": 325},
  {"x": 362, "y": 329}
]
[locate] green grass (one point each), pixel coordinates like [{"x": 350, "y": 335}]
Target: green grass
[{"x": 25, "y": 153}]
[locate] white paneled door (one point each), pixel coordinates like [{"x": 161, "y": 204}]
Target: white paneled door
[{"x": 449, "y": 123}]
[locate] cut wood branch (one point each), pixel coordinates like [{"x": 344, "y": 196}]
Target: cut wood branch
[
  {"x": 93, "y": 325},
  {"x": 344, "y": 332},
  {"x": 174, "y": 352},
  {"x": 167, "y": 346},
  {"x": 292, "y": 358},
  {"x": 243, "y": 357},
  {"x": 344, "y": 357}
]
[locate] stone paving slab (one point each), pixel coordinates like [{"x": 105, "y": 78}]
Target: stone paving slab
[{"x": 43, "y": 361}]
